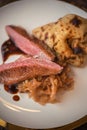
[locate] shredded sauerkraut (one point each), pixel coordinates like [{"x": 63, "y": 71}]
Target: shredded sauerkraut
[{"x": 46, "y": 89}]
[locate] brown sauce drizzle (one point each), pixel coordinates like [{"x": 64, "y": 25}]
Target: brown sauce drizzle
[
  {"x": 9, "y": 48},
  {"x": 11, "y": 88}
]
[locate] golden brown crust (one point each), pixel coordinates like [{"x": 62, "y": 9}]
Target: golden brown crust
[{"x": 67, "y": 36}]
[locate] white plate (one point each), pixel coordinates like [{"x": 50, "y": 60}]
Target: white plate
[{"x": 26, "y": 112}]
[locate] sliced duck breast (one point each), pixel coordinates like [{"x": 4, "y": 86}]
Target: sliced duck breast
[
  {"x": 23, "y": 41},
  {"x": 26, "y": 68}
]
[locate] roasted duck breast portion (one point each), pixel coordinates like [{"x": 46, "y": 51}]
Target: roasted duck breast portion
[
  {"x": 23, "y": 41},
  {"x": 26, "y": 68}
]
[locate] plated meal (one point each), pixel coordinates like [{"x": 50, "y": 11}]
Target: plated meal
[
  {"x": 48, "y": 85},
  {"x": 44, "y": 67}
]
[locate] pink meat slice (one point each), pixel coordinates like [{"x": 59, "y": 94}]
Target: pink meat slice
[
  {"x": 26, "y": 68},
  {"x": 28, "y": 46}
]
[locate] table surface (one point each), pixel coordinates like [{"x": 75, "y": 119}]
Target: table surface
[{"x": 81, "y": 124}]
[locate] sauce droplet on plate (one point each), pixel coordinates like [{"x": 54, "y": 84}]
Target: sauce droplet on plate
[{"x": 16, "y": 98}]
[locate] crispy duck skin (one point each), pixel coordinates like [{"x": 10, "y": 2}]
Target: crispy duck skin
[{"x": 23, "y": 41}]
